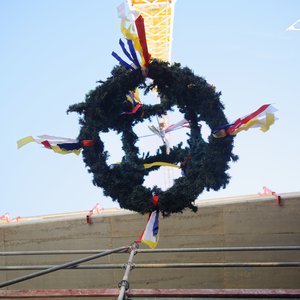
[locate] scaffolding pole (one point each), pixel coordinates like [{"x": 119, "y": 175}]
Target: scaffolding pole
[
  {"x": 67, "y": 265},
  {"x": 162, "y": 250},
  {"x": 159, "y": 266},
  {"x": 124, "y": 284},
  {"x": 133, "y": 249},
  {"x": 220, "y": 249}
]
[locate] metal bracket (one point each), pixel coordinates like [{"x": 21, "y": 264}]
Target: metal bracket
[
  {"x": 132, "y": 265},
  {"x": 124, "y": 283}
]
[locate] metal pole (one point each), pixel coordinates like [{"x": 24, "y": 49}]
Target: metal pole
[
  {"x": 163, "y": 250},
  {"x": 218, "y": 265},
  {"x": 124, "y": 284},
  {"x": 63, "y": 266},
  {"x": 43, "y": 267},
  {"x": 220, "y": 249},
  {"x": 158, "y": 265},
  {"x": 54, "y": 252}
]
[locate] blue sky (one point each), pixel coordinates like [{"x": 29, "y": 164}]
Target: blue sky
[{"x": 53, "y": 52}]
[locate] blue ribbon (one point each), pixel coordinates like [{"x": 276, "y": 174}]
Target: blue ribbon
[
  {"x": 131, "y": 56},
  {"x": 223, "y": 127},
  {"x": 124, "y": 63},
  {"x": 70, "y": 146},
  {"x": 133, "y": 53},
  {"x": 125, "y": 51},
  {"x": 155, "y": 225}
]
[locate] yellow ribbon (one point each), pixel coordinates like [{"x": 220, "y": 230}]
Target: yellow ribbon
[
  {"x": 265, "y": 126},
  {"x": 29, "y": 139},
  {"x": 131, "y": 35},
  {"x": 136, "y": 97},
  {"x": 160, "y": 163},
  {"x": 156, "y": 163},
  {"x": 57, "y": 149},
  {"x": 24, "y": 141},
  {"x": 270, "y": 119},
  {"x": 247, "y": 126}
]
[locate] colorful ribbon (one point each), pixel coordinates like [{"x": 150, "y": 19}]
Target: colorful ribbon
[
  {"x": 133, "y": 98},
  {"x": 135, "y": 42},
  {"x": 267, "y": 192},
  {"x": 160, "y": 163},
  {"x": 122, "y": 62},
  {"x": 139, "y": 23},
  {"x": 97, "y": 209},
  {"x": 263, "y": 118},
  {"x": 57, "y": 144},
  {"x": 178, "y": 125},
  {"x": 161, "y": 131},
  {"x": 6, "y": 217},
  {"x": 148, "y": 166}
]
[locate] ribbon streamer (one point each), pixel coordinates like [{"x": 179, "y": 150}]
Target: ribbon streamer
[
  {"x": 130, "y": 34},
  {"x": 154, "y": 164},
  {"x": 121, "y": 43},
  {"x": 123, "y": 62},
  {"x": 57, "y": 144},
  {"x": 160, "y": 163},
  {"x": 139, "y": 23},
  {"x": 133, "y": 53},
  {"x": 97, "y": 209},
  {"x": 136, "y": 42},
  {"x": 263, "y": 118},
  {"x": 181, "y": 124},
  {"x": 161, "y": 131},
  {"x": 268, "y": 192},
  {"x": 133, "y": 98},
  {"x": 6, "y": 217},
  {"x": 134, "y": 109}
]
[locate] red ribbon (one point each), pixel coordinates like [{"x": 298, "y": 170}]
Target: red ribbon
[
  {"x": 46, "y": 144},
  {"x": 96, "y": 209},
  {"x": 134, "y": 110},
  {"x": 8, "y": 219},
  {"x": 269, "y": 192},
  {"x": 139, "y": 23},
  {"x": 155, "y": 200},
  {"x": 87, "y": 143},
  {"x": 239, "y": 122}
]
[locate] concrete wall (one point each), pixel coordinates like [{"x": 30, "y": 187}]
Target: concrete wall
[{"x": 242, "y": 221}]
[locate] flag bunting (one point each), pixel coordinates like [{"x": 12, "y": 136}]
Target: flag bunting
[{"x": 150, "y": 235}]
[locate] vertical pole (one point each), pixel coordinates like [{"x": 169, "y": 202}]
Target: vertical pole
[{"x": 124, "y": 284}]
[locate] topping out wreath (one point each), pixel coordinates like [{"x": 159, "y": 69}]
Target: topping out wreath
[
  {"x": 115, "y": 106},
  {"x": 204, "y": 164}
]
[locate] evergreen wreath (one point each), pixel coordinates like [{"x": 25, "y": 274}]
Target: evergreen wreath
[{"x": 205, "y": 163}]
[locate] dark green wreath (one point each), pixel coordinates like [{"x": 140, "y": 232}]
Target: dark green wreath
[{"x": 205, "y": 163}]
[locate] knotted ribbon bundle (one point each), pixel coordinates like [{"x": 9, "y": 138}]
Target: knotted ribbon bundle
[
  {"x": 134, "y": 99},
  {"x": 136, "y": 42}
]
